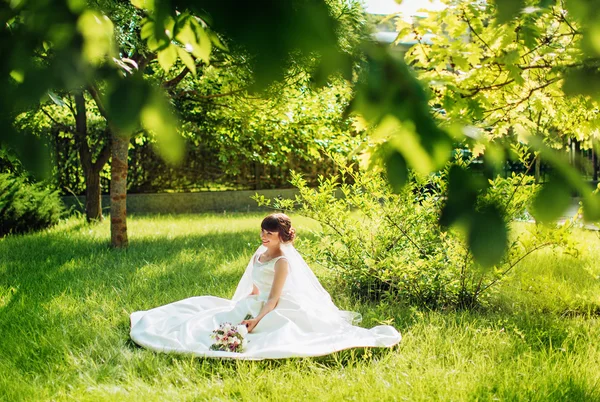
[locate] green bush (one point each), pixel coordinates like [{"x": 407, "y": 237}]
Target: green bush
[
  {"x": 26, "y": 206},
  {"x": 382, "y": 244}
]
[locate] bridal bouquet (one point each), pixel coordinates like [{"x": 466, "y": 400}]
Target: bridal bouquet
[{"x": 229, "y": 338}]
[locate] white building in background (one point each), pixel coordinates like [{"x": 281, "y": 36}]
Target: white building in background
[{"x": 409, "y": 10}]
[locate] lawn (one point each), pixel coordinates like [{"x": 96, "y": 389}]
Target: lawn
[{"x": 65, "y": 299}]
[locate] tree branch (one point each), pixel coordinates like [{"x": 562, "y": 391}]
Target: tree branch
[
  {"x": 104, "y": 153},
  {"x": 96, "y": 96},
  {"x": 517, "y": 103},
  {"x": 468, "y": 21},
  {"x": 475, "y": 91},
  {"x": 57, "y": 124},
  {"x": 142, "y": 61},
  {"x": 549, "y": 66},
  {"x": 538, "y": 247},
  {"x": 405, "y": 234},
  {"x": 175, "y": 81},
  {"x": 573, "y": 30},
  {"x": 198, "y": 95},
  {"x": 69, "y": 104},
  {"x": 524, "y": 174}
]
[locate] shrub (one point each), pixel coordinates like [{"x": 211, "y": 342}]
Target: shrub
[
  {"x": 26, "y": 206},
  {"x": 386, "y": 245}
]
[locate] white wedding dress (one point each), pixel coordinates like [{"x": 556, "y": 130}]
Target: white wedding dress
[{"x": 305, "y": 321}]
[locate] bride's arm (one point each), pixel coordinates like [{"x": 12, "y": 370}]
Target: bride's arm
[
  {"x": 281, "y": 272},
  {"x": 254, "y": 290}
]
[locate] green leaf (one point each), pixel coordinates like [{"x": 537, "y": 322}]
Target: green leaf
[
  {"x": 390, "y": 96},
  {"x": 552, "y": 200},
  {"x": 18, "y": 76},
  {"x": 125, "y": 102},
  {"x": 147, "y": 29},
  {"x": 56, "y": 99},
  {"x": 31, "y": 150},
  {"x": 397, "y": 172},
  {"x": 568, "y": 174},
  {"x": 187, "y": 37},
  {"x": 506, "y": 10},
  {"x": 488, "y": 236},
  {"x": 144, "y": 4},
  {"x": 187, "y": 60},
  {"x": 98, "y": 33},
  {"x": 584, "y": 81},
  {"x": 529, "y": 33},
  {"x": 591, "y": 207},
  {"x": 594, "y": 36},
  {"x": 404, "y": 139},
  {"x": 158, "y": 118},
  {"x": 204, "y": 47},
  {"x": 516, "y": 74},
  {"x": 76, "y": 6},
  {"x": 169, "y": 27},
  {"x": 167, "y": 57},
  {"x": 214, "y": 39},
  {"x": 463, "y": 188}
]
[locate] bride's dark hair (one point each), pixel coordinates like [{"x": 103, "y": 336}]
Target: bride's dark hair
[{"x": 280, "y": 223}]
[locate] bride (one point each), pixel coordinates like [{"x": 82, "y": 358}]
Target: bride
[{"x": 292, "y": 315}]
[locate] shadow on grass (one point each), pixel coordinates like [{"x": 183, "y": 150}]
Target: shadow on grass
[
  {"x": 66, "y": 286},
  {"x": 53, "y": 264},
  {"x": 63, "y": 292}
]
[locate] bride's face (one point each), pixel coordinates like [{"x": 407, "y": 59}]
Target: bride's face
[{"x": 269, "y": 238}]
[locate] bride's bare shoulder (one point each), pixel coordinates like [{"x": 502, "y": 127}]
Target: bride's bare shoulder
[{"x": 281, "y": 263}]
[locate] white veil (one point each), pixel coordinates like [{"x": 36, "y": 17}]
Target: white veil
[{"x": 302, "y": 285}]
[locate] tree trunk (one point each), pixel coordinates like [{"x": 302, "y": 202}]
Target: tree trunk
[
  {"x": 91, "y": 169},
  {"x": 538, "y": 169},
  {"x": 93, "y": 196},
  {"x": 577, "y": 156},
  {"x": 118, "y": 192},
  {"x": 594, "y": 162}
]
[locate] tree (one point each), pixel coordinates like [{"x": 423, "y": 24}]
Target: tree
[
  {"x": 289, "y": 124},
  {"x": 509, "y": 74},
  {"x": 505, "y": 77},
  {"x": 387, "y": 95},
  {"x": 74, "y": 115},
  {"x": 174, "y": 36}
]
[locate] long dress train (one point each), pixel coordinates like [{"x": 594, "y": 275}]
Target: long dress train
[{"x": 297, "y": 326}]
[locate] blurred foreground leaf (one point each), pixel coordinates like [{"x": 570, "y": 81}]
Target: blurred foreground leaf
[
  {"x": 158, "y": 118},
  {"x": 488, "y": 236},
  {"x": 125, "y": 100},
  {"x": 270, "y": 30},
  {"x": 397, "y": 171},
  {"x": 506, "y": 10},
  {"x": 583, "y": 81},
  {"x": 31, "y": 151},
  {"x": 552, "y": 200},
  {"x": 390, "y": 97},
  {"x": 591, "y": 207},
  {"x": 463, "y": 189}
]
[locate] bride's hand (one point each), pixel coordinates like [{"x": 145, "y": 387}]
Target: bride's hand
[{"x": 250, "y": 324}]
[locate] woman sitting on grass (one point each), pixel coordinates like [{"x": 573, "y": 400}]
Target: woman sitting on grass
[{"x": 282, "y": 309}]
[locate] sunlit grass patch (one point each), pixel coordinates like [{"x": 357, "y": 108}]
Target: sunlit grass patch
[
  {"x": 65, "y": 300},
  {"x": 549, "y": 280}
]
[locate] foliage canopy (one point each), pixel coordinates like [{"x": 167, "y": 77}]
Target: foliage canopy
[{"x": 538, "y": 48}]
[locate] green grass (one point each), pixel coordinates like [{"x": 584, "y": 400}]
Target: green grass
[{"x": 65, "y": 299}]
